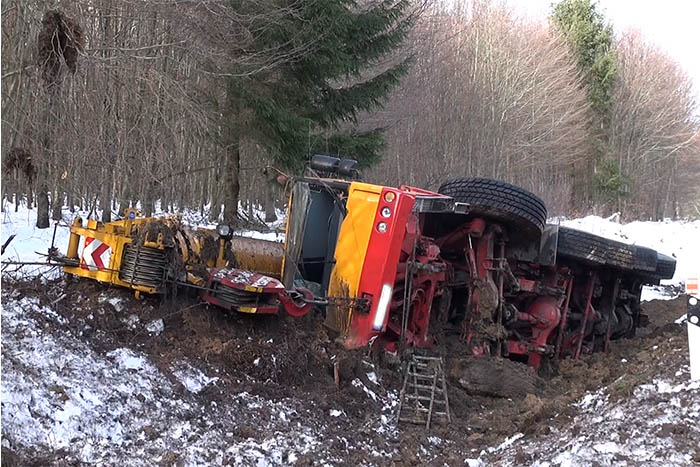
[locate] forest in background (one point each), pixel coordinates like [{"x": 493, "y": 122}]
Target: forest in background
[{"x": 139, "y": 107}]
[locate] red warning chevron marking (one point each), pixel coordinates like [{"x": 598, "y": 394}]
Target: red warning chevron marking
[{"x": 96, "y": 255}]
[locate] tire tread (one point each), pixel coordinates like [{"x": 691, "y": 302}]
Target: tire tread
[{"x": 500, "y": 200}]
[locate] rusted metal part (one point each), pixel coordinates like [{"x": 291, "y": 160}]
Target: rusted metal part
[
  {"x": 501, "y": 301},
  {"x": 589, "y": 297},
  {"x": 613, "y": 303},
  {"x": 338, "y": 314},
  {"x": 418, "y": 281},
  {"x": 197, "y": 247},
  {"x": 564, "y": 314},
  {"x": 254, "y": 254}
]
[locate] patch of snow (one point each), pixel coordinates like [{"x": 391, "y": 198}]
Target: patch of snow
[
  {"x": 31, "y": 244},
  {"x": 269, "y": 236},
  {"x": 129, "y": 360},
  {"x": 607, "y": 447},
  {"x": 372, "y": 376},
  {"x": 59, "y": 393},
  {"x": 335, "y": 413},
  {"x": 664, "y": 387},
  {"x": 117, "y": 303},
  {"x": 359, "y": 384},
  {"x": 507, "y": 442},
  {"x": 72, "y": 395},
  {"x": 606, "y": 432},
  {"x": 156, "y": 326},
  {"x": 193, "y": 379},
  {"x": 131, "y": 321}
]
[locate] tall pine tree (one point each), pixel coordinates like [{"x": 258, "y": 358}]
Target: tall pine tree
[
  {"x": 591, "y": 40},
  {"x": 327, "y": 67}
]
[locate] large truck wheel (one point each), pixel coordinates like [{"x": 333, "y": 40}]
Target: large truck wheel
[
  {"x": 665, "y": 266},
  {"x": 582, "y": 246},
  {"x": 645, "y": 259},
  {"x": 500, "y": 201},
  {"x": 621, "y": 255},
  {"x": 601, "y": 251}
]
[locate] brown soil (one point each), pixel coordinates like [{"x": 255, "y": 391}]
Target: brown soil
[{"x": 280, "y": 357}]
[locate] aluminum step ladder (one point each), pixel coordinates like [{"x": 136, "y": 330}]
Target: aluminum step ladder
[{"x": 424, "y": 392}]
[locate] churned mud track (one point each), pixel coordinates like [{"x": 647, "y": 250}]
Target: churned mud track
[{"x": 289, "y": 361}]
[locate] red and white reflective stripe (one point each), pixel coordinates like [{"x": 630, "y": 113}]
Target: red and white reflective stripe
[
  {"x": 691, "y": 286},
  {"x": 96, "y": 255}
]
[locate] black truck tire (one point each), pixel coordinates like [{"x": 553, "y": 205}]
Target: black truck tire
[
  {"x": 645, "y": 259},
  {"x": 665, "y": 266},
  {"x": 620, "y": 255},
  {"x": 583, "y": 246},
  {"x": 500, "y": 201},
  {"x": 596, "y": 250}
]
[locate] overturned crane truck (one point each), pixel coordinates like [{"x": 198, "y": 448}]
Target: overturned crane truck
[{"x": 474, "y": 264}]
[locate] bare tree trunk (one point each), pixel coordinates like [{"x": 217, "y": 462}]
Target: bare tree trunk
[
  {"x": 42, "y": 214},
  {"x": 56, "y": 205},
  {"x": 232, "y": 180},
  {"x": 42, "y": 207},
  {"x": 106, "y": 199},
  {"x": 271, "y": 179},
  {"x": 148, "y": 199}
]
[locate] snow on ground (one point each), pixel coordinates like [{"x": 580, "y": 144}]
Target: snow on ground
[
  {"x": 30, "y": 243},
  {"x": 638, "y": 430},
  {"x": 62, "y": 397}
]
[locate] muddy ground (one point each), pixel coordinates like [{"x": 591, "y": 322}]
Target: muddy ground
[{"x": 283, "y": 359}]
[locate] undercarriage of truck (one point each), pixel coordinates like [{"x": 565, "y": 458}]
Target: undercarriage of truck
[{"x": 472, "y": 269}]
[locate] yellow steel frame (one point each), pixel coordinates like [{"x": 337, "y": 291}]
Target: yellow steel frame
[{"x": 115, "y": 234}]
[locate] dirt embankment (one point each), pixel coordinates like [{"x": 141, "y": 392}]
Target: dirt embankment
[{"x": 281, "y": 358}]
